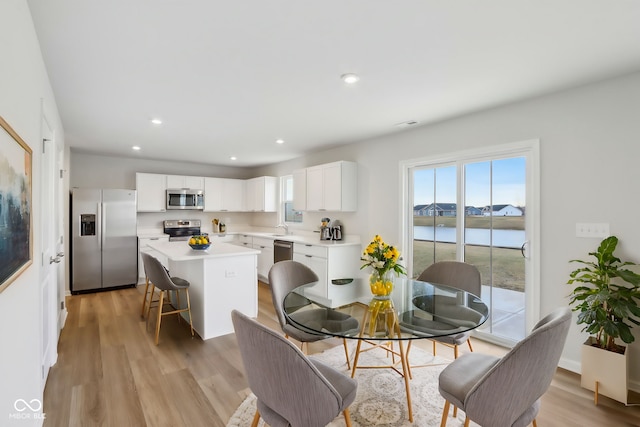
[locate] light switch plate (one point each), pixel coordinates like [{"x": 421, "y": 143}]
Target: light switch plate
[{"x": 592, "y": 229}]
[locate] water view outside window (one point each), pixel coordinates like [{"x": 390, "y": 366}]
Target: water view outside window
[{"x": 491, "y": 202}]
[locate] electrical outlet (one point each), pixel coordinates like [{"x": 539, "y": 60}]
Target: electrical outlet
[
  {"x": 230, "y": 273},
  {"x": 592, "y": 229}
]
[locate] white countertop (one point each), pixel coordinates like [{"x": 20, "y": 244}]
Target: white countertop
[
  {"x": 300, "y": 238},
  {"x": 181, "y": 251}
]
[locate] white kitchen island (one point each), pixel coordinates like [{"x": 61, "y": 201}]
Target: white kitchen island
[{"x": 223, "y": 278}]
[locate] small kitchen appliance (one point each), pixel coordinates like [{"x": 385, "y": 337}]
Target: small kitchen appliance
[
  {"x": 182, "y": 229},
  {"x": 336, "y": 230},
  {"x": 325, "y": 229}
]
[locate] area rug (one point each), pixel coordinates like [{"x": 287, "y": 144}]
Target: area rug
[{"x": 381, "y": 398}]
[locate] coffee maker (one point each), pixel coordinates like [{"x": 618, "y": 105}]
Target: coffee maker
[{"x": 336, "y": 230}]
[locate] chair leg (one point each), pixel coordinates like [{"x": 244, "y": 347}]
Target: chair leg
[
  {"x": 159, "y": 315},
  {"x": 445, "y": 414},
  {"x": 455, "y": 411},
  {"x": 144, "y": 297},
  {"x": 256, "y": 418},
  {"x": 179, "y": 306},
  {"x": 434, "y": 347},
  {"x": 153, "y": 290},
  {"x": 535, "y": 424},
  {"x": 189, "y": 311},
  {"x": 347, "y": 417},
  {"x": 346, "y": 352},
  {"x": 469, "y": 343},
  {"x": 455, "y": 351},
  {"x": 466, "y": 421}
]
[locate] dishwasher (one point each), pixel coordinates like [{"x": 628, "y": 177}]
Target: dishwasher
[{"x": 282, "y": 250}]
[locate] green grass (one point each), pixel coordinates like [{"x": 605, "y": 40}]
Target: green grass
[
  {"x": 508, "y": 264},
  {"x": 499, "y": 222}
]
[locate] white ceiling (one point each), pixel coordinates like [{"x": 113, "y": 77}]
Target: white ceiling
[{"x": 231, "y": 77}]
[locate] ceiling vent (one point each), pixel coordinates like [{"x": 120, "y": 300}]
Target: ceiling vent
[{"x": 407, "y": 124}]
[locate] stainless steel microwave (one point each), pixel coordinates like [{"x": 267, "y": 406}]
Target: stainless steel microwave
[{"x": 182, "y": 198}]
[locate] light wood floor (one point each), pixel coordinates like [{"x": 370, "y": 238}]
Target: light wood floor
[{"x": 109, "y": 372}]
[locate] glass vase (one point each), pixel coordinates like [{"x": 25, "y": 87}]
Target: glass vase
[{"x": 381, "y": 284}]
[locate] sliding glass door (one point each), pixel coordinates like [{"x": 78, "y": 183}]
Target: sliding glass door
[{"x": 476, "y": 209}]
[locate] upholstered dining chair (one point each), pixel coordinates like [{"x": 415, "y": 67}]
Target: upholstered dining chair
[
  {"x": 459, "y": 275},
  {"x": 290, "y": 389},
  {"x": 505, "y": 392},
  {"x": 285, "y": 276},
  {"x": 159, "y": 278}
]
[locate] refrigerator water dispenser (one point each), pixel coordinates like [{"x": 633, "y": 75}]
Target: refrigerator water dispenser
[{"x": 87, "y": 225}]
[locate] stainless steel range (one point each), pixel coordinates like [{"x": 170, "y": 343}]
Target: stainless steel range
[{"x": 181, "y": 229}]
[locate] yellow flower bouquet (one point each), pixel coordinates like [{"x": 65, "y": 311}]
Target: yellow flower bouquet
[{"x": 383, "y": 258}]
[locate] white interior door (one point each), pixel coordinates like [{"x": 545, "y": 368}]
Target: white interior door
[{"x": 49, "y": 259}]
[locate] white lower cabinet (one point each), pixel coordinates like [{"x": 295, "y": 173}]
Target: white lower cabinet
[
  {"x": 143, "y": 246},
  {"x": 265, "y": 258},
  {"x": 329, "y": 263}
]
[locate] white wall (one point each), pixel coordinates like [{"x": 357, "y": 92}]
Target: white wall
[
  {"x": 589, "y": 153},
  {"x": 24, "y": 88}
]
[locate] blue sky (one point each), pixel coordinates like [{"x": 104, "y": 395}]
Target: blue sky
[{"x": 508, "y": 184}]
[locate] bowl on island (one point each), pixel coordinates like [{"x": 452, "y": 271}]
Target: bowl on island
[{"x": 199, "y": 243}]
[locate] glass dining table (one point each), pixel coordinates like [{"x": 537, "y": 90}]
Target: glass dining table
[{"x": 413, "y": 310}]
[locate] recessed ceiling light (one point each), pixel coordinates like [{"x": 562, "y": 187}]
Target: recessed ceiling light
[
  {"x": 135, "y": 147},
  {"x": 233, "y": 158},
  {"x": 156, "y": 121},
  {"x": 349, "y": 78},
  {"x": 279, "y": 141}
]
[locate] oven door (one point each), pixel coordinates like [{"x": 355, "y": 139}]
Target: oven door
[{"x": 185, "y": 199}]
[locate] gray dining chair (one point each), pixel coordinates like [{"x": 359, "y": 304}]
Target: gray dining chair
[
  {"x": 159, "y": 278},
  {"x": 290, "y": 388},
  {"x": 284, "y": 277},
  {"x": 505, "y": 392},
  {"x": 460, "y": 275}
]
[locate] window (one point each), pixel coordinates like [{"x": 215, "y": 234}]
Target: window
[
  {"x": 480, "y": 207},
  {"x": 288, "y": 214}
]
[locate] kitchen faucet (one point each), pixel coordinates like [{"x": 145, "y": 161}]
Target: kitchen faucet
[{"x": 284, "y": 226}]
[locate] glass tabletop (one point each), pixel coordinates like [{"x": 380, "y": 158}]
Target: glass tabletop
[{"x": 414, "y": 310}]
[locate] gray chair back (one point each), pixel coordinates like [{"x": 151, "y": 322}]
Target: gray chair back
[
  {"x": 454, "y": 273},
  {"x": 285, "y": 276},
  {"x": 289, "y": 388},
  {"x": 157, "y": 274},
  {"x": 514, "y": 385}
]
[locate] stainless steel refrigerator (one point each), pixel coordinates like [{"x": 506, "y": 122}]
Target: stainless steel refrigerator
[{"x": 104, "y": 244}]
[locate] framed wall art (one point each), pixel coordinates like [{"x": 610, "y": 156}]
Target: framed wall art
[{"x": 16, "y": 242}]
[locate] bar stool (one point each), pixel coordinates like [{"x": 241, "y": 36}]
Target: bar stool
[{"x": 159, "y": 278}]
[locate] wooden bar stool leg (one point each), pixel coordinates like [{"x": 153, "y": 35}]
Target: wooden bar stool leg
[
  {"x": 189, "y": 310},
  {"x": 153, "y": 289},
  {"x": 256, "y": 418},
  {"x": 159, "y": 315},
  {"x": 144, "y": 297}
]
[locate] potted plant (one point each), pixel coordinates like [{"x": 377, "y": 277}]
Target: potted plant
[{"x": 608, "y": 304}]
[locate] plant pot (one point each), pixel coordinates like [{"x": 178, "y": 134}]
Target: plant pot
[{"x": 605, "y": 372}]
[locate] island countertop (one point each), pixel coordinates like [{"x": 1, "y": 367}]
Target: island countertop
[{"x": 181, "y": 251}]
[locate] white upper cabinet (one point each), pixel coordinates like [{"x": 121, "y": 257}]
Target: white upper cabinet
[
  {"x": 261, "y": 194},
  {"x": 300, "y": 190},
  {"x": 190, "y": 182},
  {"x": 223, "y": 194},
  {"x": 151, "y": 192},
  {"x": 331, "y": 187}
]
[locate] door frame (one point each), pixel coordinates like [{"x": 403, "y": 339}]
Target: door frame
[{"x": 530, "y": 149}]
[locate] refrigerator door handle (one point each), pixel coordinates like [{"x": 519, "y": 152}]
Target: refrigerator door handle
[{"x": 100, "y": 225}]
